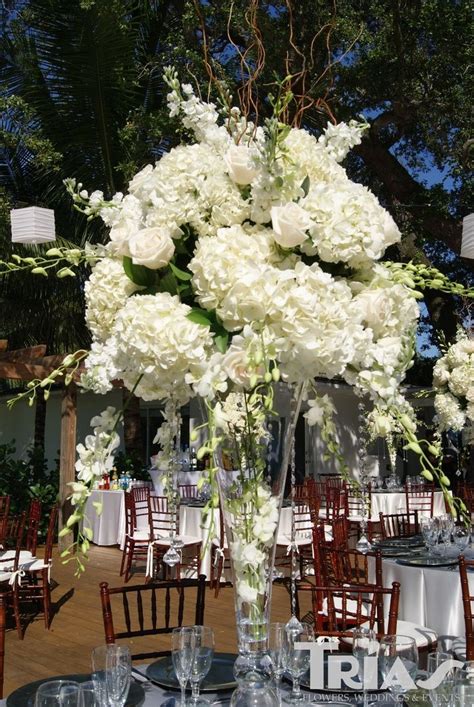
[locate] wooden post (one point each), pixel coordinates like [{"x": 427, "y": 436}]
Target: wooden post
[{"x": 67, "y": 456}]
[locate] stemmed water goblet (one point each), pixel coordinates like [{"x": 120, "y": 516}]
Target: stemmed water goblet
[
  {"x": 202, "y": 661},
  {"x": 111, "y": 674},
  {"x": 464, "y": 685},
  {"x": 364, "y": 644},
  {"x": 276, "y": 638},
  {"x": 446, "y": 527},
  {"x": 296, "y": 660},
  {"x": 461, "y": 537},
  {"x": 392, "y": 648},
  {"x": 183, "y": 642},
  {"x": 430, "y": 532}
]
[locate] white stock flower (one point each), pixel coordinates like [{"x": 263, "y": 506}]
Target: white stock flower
[
  {"x": 319, "y": 408},
  {"x": 339, "y": 139},
  {"x": 152, "y": 247},
  {"x": 290, "y": 224}
]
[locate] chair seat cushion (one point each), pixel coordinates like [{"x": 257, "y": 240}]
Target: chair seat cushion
[
  {"x": 141, "y": 535},
  {"x": 459, "y": 648},
  {"x": 423, "y": 636},
  {"x": 5, "y": 576},
  {"x": 186, "y": 540},
  {"x": 10, "y": 555},
  {"x": 34, "y": 565}
]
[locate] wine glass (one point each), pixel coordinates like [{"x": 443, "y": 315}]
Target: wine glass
[
  {"x": 296, "y": 660},
  {"x": 276, "y": 638},
  {"x": 442, "y": 695},
  {"x": 182, "y": 653},
  {"x": 58, "y": 693},
  {"x": 403, "y": 648},
  {"x": 364, "y": 644},
  {"x": 202, "y": 660},
  {"x": 118, "y": 673}
]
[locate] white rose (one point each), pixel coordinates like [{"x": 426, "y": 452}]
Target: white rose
[
  {"x": 235, "y": 364},
  {"x": 246, "y": 593},
  {"x": 152, "y": 247},
  {"x": 238, "y": 159},
  {"x": 290, "y": 223},
  {"x": 376, "y": 308},
  {"x": 381, "y": 424}
]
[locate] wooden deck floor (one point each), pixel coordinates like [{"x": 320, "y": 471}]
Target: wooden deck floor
[{"x": 77, "y": 626}]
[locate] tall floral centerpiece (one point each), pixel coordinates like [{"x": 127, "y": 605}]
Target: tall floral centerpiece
[
  {"x": 453, "y": 381},
  {"x": 244, "y": 260}
]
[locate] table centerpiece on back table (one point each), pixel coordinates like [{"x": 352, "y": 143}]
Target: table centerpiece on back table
[{"x": 243, "y": 260}]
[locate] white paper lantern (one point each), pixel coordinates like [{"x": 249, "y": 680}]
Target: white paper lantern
[
  {"x": 32, "y": 225},
  {"x": 467, "y": 243}
]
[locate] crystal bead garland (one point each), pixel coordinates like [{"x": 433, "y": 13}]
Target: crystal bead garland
[
  {"x": 293, "y": 625},
  {"x": 363, "y": 544},
  {"x": 173, "y": 555}
]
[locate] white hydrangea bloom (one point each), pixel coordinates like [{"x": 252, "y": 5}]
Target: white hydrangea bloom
[
  {"x": 453, "y": 379},
  {"x": 106, "y": 292}
]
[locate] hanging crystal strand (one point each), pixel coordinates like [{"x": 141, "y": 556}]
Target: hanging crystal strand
[
  {"x": 173, "y": 555},
  {"x": 363, "y": 544},
  {"x": 293, "y": 624}
]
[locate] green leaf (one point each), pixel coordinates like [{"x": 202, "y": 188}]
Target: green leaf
[
  {"x": 221, "y": 341},
  {"x": 168, "y": 283},
  {"x": 305, "y": 184},
  {"x": 200, "y": 316},
  {"x": 180, "y": 274},
  {"x": 139, "y": 274}
]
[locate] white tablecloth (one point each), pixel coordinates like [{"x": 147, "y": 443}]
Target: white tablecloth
[
  {"x": 105, "y": 526},
  {"x": 388, "y": 502},
  {"x": 184, "y": 477},
  {"x": 429, "y": 596}
]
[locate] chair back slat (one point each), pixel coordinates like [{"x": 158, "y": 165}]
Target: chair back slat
[
  {"x": 154, "y": 615},
  {"x": 160, "y": 518},
  {"x": 34, "y": 519},
  {"x": 140, "y": 496},
  {"x": 188, "y": 490},
  {"x": 48, "y": 550},
  {"x": 140, "y": 610},
  {"x": 420, "y": 497},
  {"x": 126, "y": 613},
  {"x": 160, "y": 609},
  {"x": 467, "y": 602}
]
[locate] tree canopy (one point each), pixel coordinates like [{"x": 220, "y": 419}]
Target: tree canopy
[{"x": 83, "y": 96}]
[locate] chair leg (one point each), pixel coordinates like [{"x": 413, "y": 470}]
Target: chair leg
[
  {"x": 128, "y": 566},
  {"x": 16, "y": 611},
  {"x": 124, "y": 556},
  {"x": 219, "y": 570},
  {"x": 46, "y": 600}
]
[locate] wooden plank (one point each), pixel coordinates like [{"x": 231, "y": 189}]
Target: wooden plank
[
  {"x": 29, "y": 371},
  {"x": 77, "y": 627},
  {"x": 67, "y": 456},
  {"x": 27, "y": 355}
]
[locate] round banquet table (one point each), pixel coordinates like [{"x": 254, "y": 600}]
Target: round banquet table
[
  {"x": 388, "y": 502},
  {"x": 430, "y": 596},
  {"x": 184, "y": 477},
  {"x": 105, "y": 527}
]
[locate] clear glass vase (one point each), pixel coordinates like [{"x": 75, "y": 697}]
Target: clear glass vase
[{"x": 251, "y": 492}]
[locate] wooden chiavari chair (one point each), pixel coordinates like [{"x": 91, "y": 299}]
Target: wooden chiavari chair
[
  {"x": 34, "y": 519},
  {"x": 36, "y": 575},
  {"x": 9, "y": 572},
  {"x": 4, "y": 511},
  {"x": 334, "y": 611},
  {"x": 464, "y": 649},
  {"x": 188, "y": 490},
  {"x": 162, "y": 522},
  {"x": 338, "y": 566},
  {"x": 141, "y": 494},
  {"x": 304, "y": 512},
  {"x": 160, "y": 608},
  {"x": 3, "y": 611},
  {"x": 420, "y": 497},
  {"x": 136, "y": 540},
  {"x": 398, "y": 525}
]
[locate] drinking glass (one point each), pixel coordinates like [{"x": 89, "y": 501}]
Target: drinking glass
[
  {"x": 118, "y": 673},
  {"x": 296, "y": 660},
  {"x": 203, "y": 655},
  {"x": 182, "y": 653},
  {"x": 429, "y": 530},
  {"x": 276, "y": 638},
  {"x": 461, "y": 537},
  {"x": 98, "y": 664},
  {"x": 464, "y": 686},
  {"x": 90, "y": 697},
  {"x": 364, "y": 644},
  {"x": 442, "y": 695},
  {"x": 402, "y": 647},
  {"x": 446, "y": 527},
  {"x": 58, "y": 693}
]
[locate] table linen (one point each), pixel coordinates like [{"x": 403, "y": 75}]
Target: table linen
[{"x": 388, "y": 502}]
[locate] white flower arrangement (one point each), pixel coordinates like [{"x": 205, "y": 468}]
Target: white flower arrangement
[{"x": 453, "y": 381}]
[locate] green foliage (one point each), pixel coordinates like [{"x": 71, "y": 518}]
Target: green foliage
[
  {"x": 133, "y": 463},
  {"x": 27, "y": 480}
]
